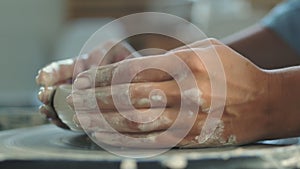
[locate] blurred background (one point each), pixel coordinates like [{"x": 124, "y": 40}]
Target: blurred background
[{"x": 36, "y": 32}]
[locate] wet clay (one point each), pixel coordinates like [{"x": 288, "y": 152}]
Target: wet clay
[{"x": 63, "y": 110}]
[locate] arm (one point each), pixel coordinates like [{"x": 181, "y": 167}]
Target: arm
[
  {"x": 266, "y": 49},
  {"x": 263, "y": 47}
]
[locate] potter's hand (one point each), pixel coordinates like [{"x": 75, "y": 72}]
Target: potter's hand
[
  {"x": 61, "y": 72},
  {"x": 243, "y": 120}
]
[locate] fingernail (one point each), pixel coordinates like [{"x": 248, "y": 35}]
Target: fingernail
[
  {"x": 45, "y": 94},
  {"x": 41, "y": 96},
  {"x": 47, "y": 111},
  {"x": 82, "y": 83},
  {"x": 44, "y": 78}
]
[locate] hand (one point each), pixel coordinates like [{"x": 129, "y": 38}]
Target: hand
[
  {"x": 61, "y": 72},
  {"x": 245, "y": 116}
]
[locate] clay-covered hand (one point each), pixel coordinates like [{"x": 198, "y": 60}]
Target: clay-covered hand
[
  {"x": 157, "y": 97},
  {"x": 61, "y": 72}
]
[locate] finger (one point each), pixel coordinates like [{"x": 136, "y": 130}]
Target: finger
[
  {"x": 126, "y": 97},
  {"x": 61, "y": 71},
  {"x": 148, "y": 140},
  {"x": 156, "y": 68},
  {"x": 48, "y": 112},
  {"x": 45, "y": 95},
  {"x": 166, "y": 138},
  {"x": 199, "y": 44},
  {"x": 157, "y": 139},
  {"x": 191, "y": 141},
  {"x": 140, "y": 120},
  {"x": 57, "y": 72},
  {"x": 146, "y": 69}
]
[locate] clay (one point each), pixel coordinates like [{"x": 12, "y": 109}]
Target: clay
[
  {"x": 215, "y": 138},
  {"x": 143, "y": 102},
  {"x": 193, "y": 95},
  {"x": 63, "y": 110},
  {"x": 156, "y": 98}
]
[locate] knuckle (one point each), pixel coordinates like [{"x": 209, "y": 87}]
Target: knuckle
[
  {"x": 194, "y": 61},
  {"x": 127, "y": 70},
  {"x": 190, "y": 58}
]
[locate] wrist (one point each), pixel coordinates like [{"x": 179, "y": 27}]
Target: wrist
[
  {"x": 282, "y": 106},
  {"x": 267, "y": 86},
  {"x": 273, "y": 98}
]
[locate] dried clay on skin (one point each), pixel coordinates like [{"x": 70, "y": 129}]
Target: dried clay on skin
[
  {"x": 121, "y": 96},
  {"x": 146, "y": 101},
  {"x": 104, "y": 75},
  {"x": 162, "y": 120},
  {"x": 215, "y": 139},
  {"x": 124, "y": 140},
  {"x": 193, "y": 95},
  {"x": 56, "y": 65},
  {"x": 143, "y": 102},
  {"x": 156, "y": 98}
]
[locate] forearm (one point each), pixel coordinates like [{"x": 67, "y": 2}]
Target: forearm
[
  {"x": 284, "y": 105},
  {"x": 263, "y": 47}
]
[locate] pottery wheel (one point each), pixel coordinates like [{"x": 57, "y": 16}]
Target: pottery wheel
[{"x": 49, "y": 146}]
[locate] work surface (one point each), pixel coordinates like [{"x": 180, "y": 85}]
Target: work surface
[{"x": 47, "y": 146}]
